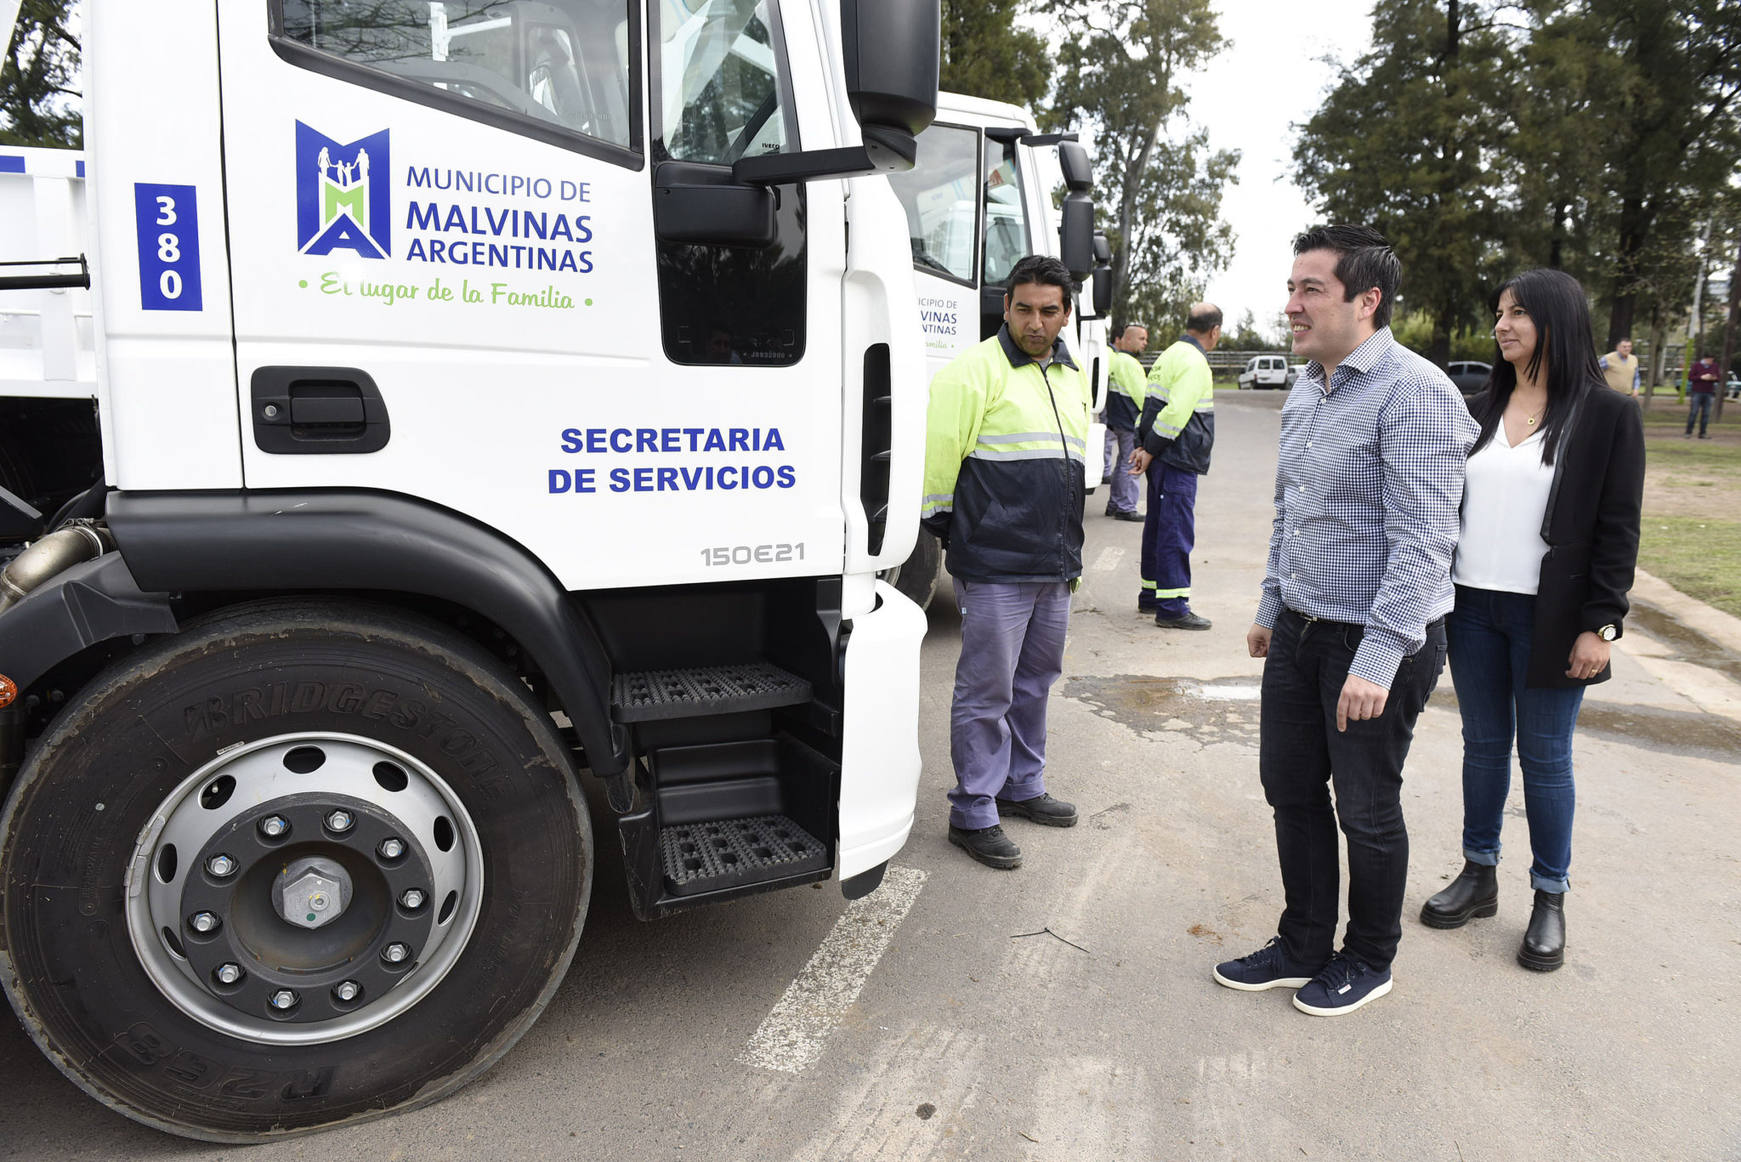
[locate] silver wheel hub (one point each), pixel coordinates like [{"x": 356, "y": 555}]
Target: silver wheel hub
[
  {"x": 304, "y": 888},
  {"x": 312, "y": 891}
]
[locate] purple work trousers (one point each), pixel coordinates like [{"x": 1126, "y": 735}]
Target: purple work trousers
[
  {"x": 1126, "y": 489},
  {"x": 1012, "y": 650}
]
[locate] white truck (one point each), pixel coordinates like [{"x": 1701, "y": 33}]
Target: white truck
[
  {"x": 978, "y": 198},
  {"x": 469, "y": 400}
]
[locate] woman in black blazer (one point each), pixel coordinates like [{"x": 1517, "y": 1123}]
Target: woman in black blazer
[{"x": 1544, "y": 561}]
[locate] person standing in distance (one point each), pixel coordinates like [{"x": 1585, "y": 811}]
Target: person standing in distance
[
  {"x": 1701, "y": 391},
  {"x": 1620, "y": 369},
  {"x": 1176, "y": 436},
  {"x": 1351, "y": 622},
  {"x": 1006, "y": 447},
  {"x": 1124, "y": 404}
]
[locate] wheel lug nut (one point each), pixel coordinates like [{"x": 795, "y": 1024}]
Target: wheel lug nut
[
  {"x": 221, "y": 866},
  {"x": 228, "y": 973},
  {"x": 395, "y": 953},
  {"x": 203, "y": 922},
  {"x": 347, "y": 990},
  {"x": 274, "y": 826},
  {"x": 412, "y": 898},
  {"x": 284, "y": 999},
  {"x": 341, "y": 820},
  {"x": 391, "y": 848}
]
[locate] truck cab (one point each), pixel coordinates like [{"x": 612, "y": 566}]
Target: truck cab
[
  {"x": 981, "y": 196},
  {"x": 506, "y": 410}
]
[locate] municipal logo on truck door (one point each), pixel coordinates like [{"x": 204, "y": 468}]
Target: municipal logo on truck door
[{"x": 342, "y": 197}]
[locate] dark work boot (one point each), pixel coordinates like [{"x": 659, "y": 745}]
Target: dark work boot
[
  {"x": 989, "y": 845},
  {"x": 1474, "y": 893},
  {"x": 1544, "y": 943}
]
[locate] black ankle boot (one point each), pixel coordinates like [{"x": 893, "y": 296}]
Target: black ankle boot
[
  {"x": 1474, "y": 893},
  {"x": 1544, "y": 944}
]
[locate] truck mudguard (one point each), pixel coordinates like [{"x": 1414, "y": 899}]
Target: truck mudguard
[
  {"x": 334, "y": 539},
  {"x": 94, "y": 601}
]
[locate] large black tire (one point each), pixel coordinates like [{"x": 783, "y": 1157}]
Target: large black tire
[
  {"x": 307, "y": 709},
  {"x": 916, "y": 577}
]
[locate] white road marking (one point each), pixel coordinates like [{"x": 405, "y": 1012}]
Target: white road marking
[
  {"x": 1108, "y": 559},
  {"x": 790, "y": 1039}
]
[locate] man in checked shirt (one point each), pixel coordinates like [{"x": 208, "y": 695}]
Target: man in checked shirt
[{"x": 1351, "y": 622}]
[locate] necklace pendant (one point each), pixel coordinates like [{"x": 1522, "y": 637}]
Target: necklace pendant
[{"x": 1530, "y": 420}]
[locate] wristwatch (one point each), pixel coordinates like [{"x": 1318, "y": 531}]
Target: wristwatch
[{"x": 1608, "y": 632}]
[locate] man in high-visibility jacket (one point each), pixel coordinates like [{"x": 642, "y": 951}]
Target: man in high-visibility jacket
[
  {"x": 1005, "y": 453},
  {"x": 1124, "y": 404},
  {"x": 1177, "y": 432}
]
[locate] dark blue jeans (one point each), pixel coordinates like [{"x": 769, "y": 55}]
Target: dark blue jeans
[
  {"x": 1489, "y": 638},
  {"x": 1699, "y": 408},
  {"x": 1301, "y": 755}
]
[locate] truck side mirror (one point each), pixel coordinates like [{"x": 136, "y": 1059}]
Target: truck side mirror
[
  {"x": 1102, "y": 276},
  {"x": 892, "y": 52},
  {"x": 1078, "y": 170},
  {"x": 1076, "y": 235}
]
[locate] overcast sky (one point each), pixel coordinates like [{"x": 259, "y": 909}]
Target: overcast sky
[{"x": 1249, "y": 98}]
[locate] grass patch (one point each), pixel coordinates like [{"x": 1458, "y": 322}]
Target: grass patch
[
  {"x": 1698, "y": 557},
  {"x": 1691, "y": 533}
]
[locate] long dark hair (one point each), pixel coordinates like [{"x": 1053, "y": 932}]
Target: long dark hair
[{"x": 1556, "y": 305}]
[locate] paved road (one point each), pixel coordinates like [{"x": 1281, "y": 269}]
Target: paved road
[{"x": 734, "y": 1033}]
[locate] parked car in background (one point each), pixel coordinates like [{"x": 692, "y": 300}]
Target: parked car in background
[
  {"x": 1470, "y": 375},
  {"x": 1267, "y": 371},
  {"x": 1732, "y": 389}
]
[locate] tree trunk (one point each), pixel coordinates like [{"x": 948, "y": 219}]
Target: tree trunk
[
  {"x": 1633, "y": 226},
  {"x": 1729, "y": 334}
]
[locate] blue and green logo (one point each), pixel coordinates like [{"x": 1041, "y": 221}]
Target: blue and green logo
[{"x": 343, "y": 196}]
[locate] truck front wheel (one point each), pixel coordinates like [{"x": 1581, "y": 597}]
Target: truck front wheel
[{"x": 306, "y": 863}]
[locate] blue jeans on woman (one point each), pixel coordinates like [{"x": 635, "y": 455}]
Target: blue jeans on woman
[{"x": 1488, "y": 637}]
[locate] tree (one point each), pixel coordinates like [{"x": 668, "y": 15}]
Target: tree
[
  {"x": 37, "y": 79},
  {"x": 1406, "y": 143},
  {"x": 1158, "y": 181},
  {"x": 1674, "y": 120},
  {"x": 987, "y": 54}
]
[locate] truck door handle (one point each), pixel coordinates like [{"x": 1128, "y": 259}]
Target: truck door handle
[{"x": 326, "y": 411}]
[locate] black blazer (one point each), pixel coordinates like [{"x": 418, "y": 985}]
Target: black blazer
[{"x": 1591, "y": 528}]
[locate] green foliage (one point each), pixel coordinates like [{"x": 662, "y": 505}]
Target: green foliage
[
  {"x": 38, "y": 103},
  {"x": 1158, "y": 181},
  {"x": 1407, "y": 143},
  {"x": 986, "y": 54},
  {"x": 1485, "y": 136},
  {"x": 1244, "y": 336}
]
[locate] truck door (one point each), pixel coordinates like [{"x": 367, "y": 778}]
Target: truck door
[{"x": 450, "y": 281}]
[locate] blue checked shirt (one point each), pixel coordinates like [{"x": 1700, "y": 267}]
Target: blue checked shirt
[{"x": 1368, "y": 483}]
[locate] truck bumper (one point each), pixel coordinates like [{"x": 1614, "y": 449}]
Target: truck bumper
[{"x": 879, "y": 767}]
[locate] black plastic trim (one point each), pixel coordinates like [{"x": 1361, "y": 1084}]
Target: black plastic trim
[
  {"x": 864, "y": 883},
  {"x": 94, "y": 601},
  {"x": 327, "y": 411},
  {"x": 326, "y": 540}
]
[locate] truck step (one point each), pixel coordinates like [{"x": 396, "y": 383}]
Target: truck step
[
  {"x": 696, "y": 692},
  {"x": 731, "y": 853}
]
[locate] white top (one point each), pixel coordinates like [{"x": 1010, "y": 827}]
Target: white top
[{"x": 1505, "y": 496}]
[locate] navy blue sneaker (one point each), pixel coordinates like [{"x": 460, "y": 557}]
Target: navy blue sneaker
[
  {"x": 1342, "y": 986},
  {"x": 1270, "y": 967}
]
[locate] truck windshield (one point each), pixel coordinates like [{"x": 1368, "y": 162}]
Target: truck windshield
[
  {"x": 719, "y": 81},
  {"x": 565, "y": 61}
]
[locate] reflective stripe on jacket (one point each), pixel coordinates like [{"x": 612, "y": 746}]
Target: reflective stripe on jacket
[
  {"x": 1178, "y": 424},
  {"x": 1005, "y": 445},
  {"x": 1128, "y": 384}
]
